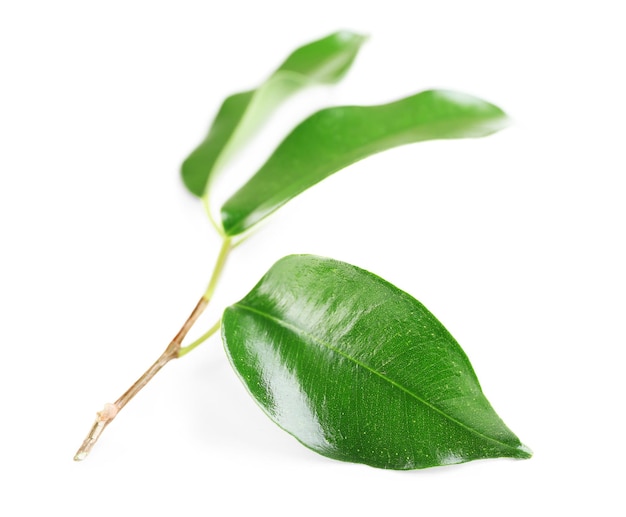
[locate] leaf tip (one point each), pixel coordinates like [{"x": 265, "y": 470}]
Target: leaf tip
[
  {"x": 525, "y": 452},
  {"x": 348, "y": 35}
]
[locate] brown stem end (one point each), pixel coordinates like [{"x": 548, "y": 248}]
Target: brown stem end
[{"x": 103, "y": 418}]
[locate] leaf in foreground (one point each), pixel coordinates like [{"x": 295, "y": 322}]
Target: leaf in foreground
[
  {"x": 360, "y": 371},
  {"x": 322, "y": 61},
  {"x": 334, "y": 138}
]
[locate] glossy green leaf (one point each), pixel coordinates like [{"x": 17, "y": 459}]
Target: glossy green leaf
[
  {"x": 334, "y": 138},
  {"x": 322, "y": 61},
  {"x": 360, "y": 371}
]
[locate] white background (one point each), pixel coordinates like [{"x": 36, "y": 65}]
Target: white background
[{"x": 515, "y": 242}]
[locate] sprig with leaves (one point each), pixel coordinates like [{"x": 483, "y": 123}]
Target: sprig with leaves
[{"x": 350, "y": 365}]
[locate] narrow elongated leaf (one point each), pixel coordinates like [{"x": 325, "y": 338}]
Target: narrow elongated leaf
[
  {"x": 334, "y": 138},
  {"x": 322, "y": 61},
  {"x": 360, "y": 371}
]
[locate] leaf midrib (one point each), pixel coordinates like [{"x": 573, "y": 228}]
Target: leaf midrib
[{"x": 298, "y": 330}]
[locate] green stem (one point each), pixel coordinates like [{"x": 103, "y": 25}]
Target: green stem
[
  {"x": 207, "y": 209},
  {"x": 186, "y": 349},
  {"x": 219, "y": 266}
]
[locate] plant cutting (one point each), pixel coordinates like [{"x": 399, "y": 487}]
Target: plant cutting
[{"x": 350, "y": 365}]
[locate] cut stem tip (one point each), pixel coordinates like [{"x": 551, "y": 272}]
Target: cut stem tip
[{"x": 103, "y": 418}]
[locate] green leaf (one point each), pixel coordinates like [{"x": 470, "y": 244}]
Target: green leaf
[
  {"x": 360, "y": 371},
  {"x": 334, "y": 138},
  {"x": 322, "y": 61}
]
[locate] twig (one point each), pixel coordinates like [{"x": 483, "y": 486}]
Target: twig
[{"x": 173, "y": 351}]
